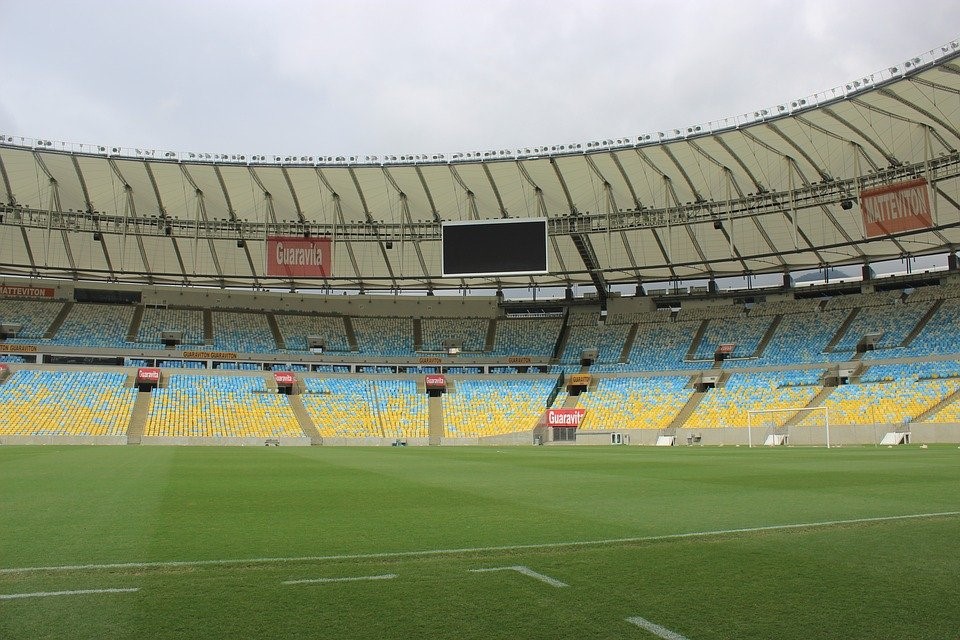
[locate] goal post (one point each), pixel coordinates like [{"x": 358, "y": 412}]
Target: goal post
[{"x": 778, "y": 418}]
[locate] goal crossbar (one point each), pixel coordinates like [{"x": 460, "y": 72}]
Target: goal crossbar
[{"x": 792, "y": 411}]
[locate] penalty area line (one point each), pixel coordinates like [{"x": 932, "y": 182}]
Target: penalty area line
[
  {"x": 656, "y": 629},
  {"x": 424, "y": 553},
  {"x": 385, "y": 576},
  {"x": 78, "y": 592}
]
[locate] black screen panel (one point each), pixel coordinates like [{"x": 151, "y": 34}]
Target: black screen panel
[{"x": 508, "y": 247}]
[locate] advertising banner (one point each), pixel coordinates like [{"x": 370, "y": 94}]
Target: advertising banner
[
  {"x": 578, "y": 380},
  {"x": 145, "y": 374},
  {"x": 26, "y": 292},
  {"x": 894, "y": 208},
  {"x": 284, "y": 378},
  {"x": 295, "y": 256},
  {"x": 436, "y": 381},
  {"x": 565, "y": 417}
]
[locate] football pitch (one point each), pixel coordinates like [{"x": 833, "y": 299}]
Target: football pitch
[{"x": 522, "y": 542}]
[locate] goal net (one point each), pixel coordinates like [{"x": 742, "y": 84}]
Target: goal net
[{"x": 790, "y": 425}]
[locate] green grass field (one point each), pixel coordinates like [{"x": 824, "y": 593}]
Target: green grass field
[{"x": 210, "y": 536}]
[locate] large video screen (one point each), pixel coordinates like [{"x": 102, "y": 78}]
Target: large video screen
[{"x": 494, "y": 247}]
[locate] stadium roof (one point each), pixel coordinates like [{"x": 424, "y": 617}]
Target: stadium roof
[{"x": 766, "y": 192}]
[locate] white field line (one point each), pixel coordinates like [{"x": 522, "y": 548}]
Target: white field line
[
  {"x": 527, "y": 571},
  {"x": 386, "y": 576},
  {"x": 447, "y": 552},
  {"x": 47, "y": 594},
  {"x": 656, "y": 629}
]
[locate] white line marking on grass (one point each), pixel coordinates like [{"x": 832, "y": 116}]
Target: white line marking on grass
[
  {"x": 46, "y": 594},
  {"x": 527, "y": 571},
  {"x": 656, "y": 629},
  {"x": 386, "y": 576},
  {"x": 170, "y": 564}
]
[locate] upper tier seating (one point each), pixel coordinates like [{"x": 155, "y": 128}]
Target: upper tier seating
[
  {"x": 608, "y": 340},
  {"x": 391, "y": 337},
  {"x": 242, "y": 332},
  {"x": 34, "y": 316},
  {"x": 92, "y": 325},
  {"x": 296, "y": 328},
  {"x": 535, "y": 337},
  {"x": 189, "y": 321},
  {"x": 472, "y": 332},
  {"x": 663, "y": 346},
  {"x": 744, "y": 332}
]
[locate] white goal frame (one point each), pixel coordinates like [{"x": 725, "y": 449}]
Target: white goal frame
[{"x": 791, "y": 410}]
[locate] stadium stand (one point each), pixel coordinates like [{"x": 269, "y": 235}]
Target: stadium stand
[
  {"x": 296, "y": 328},
  {"x": 242, "y": 332},
  {"x": 535, "y": 337},
  {"x": 65, "y": 403},
  {"x": 389, "y": 337},
  {"x": 744, "y": 332},
  {"x": 34, "y": 316},
  {"x": 91, "y": 325},
  {"x": 364, "y": 408},
  {"x": 189, "y": 321},
  {"x": 663, "y": 346},
  {"x": 219, "y": 407},
  {"x": 471, "y": 332},
  {"x": 607, "y": 339},
  {"x": 481, "y": 408},
  {"x": 728, "y": 405},
  {"x": 634, "y": 402}
]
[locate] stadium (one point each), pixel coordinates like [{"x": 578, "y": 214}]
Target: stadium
[{"x": 664, "y": 385}]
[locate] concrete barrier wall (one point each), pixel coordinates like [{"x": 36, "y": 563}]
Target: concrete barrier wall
[
  {"x": 71, "y": 440},
  {"x": 222, "y": 442}
]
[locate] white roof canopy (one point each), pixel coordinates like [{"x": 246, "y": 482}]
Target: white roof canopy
[{"x": 752, "y": 197}]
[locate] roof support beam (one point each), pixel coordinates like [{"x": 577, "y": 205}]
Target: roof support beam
[
  {"x": 581, "y": 241},
  {"x": 338, "y": 218},
  {"x": 889, "y": 93},
  {"x": 406, "y": 219},
  {"x": 293, "y": 194},
  {"x": 611, "y": 208},
  {"x": 166, "y": 221},
  {"x": 10, "y": 199},
  {"x": 873, "y": 141},
  {"x": 54, "y": 206},
  {"x": 373, "y": 225},
  {"x": 496, "y": 191},
  {"x": 94, "y": 217}
]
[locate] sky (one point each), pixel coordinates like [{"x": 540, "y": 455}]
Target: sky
[{"x": 396, "y": 77}]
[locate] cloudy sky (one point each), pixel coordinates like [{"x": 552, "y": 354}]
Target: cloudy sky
[{"x": 396, "y": 76}]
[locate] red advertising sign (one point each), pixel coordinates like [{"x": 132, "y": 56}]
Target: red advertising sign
[
  {"x": 148, "y": 375},
  {"x": 436, "y": 381},
  {"x": 565, "y": 417},
  {"x": 298, "y": 257},
  {"x": 904, "y": 206},
  {"x": 283, "y": 378},
  {"x": 726, "y": 348},
  {"x": 26, "y": 292}
]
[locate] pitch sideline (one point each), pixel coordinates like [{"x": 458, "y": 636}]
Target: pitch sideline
[{"x": 447, "y": 552}]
